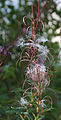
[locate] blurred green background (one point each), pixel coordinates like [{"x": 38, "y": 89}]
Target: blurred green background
[{"x": 12, "y": 76}]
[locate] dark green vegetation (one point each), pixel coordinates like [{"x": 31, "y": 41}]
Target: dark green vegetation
[{"x": 12, "y": 76}]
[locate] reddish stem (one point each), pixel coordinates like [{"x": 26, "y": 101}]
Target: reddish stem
[{"x": 38, "y": 13}]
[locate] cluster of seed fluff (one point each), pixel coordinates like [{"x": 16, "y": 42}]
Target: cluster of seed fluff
[{"x": 37, "y": 74}]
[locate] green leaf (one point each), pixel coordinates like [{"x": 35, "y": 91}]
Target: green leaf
[
  {"x": 6, "y": 68},
  {"x": 33, "y": 115},
  {"x": 41, "y": 117},
  {"x": 28, "y": 116},
  {"x": 17, "y": 90},
  {"x": 21, "y": 117}
]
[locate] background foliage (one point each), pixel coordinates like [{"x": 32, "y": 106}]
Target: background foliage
[{"x": 11, "y": 78}]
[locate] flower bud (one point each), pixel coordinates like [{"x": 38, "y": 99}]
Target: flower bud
[
  {"x": 24, "y": 116},
  {"x": 31, "y": 105}
]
